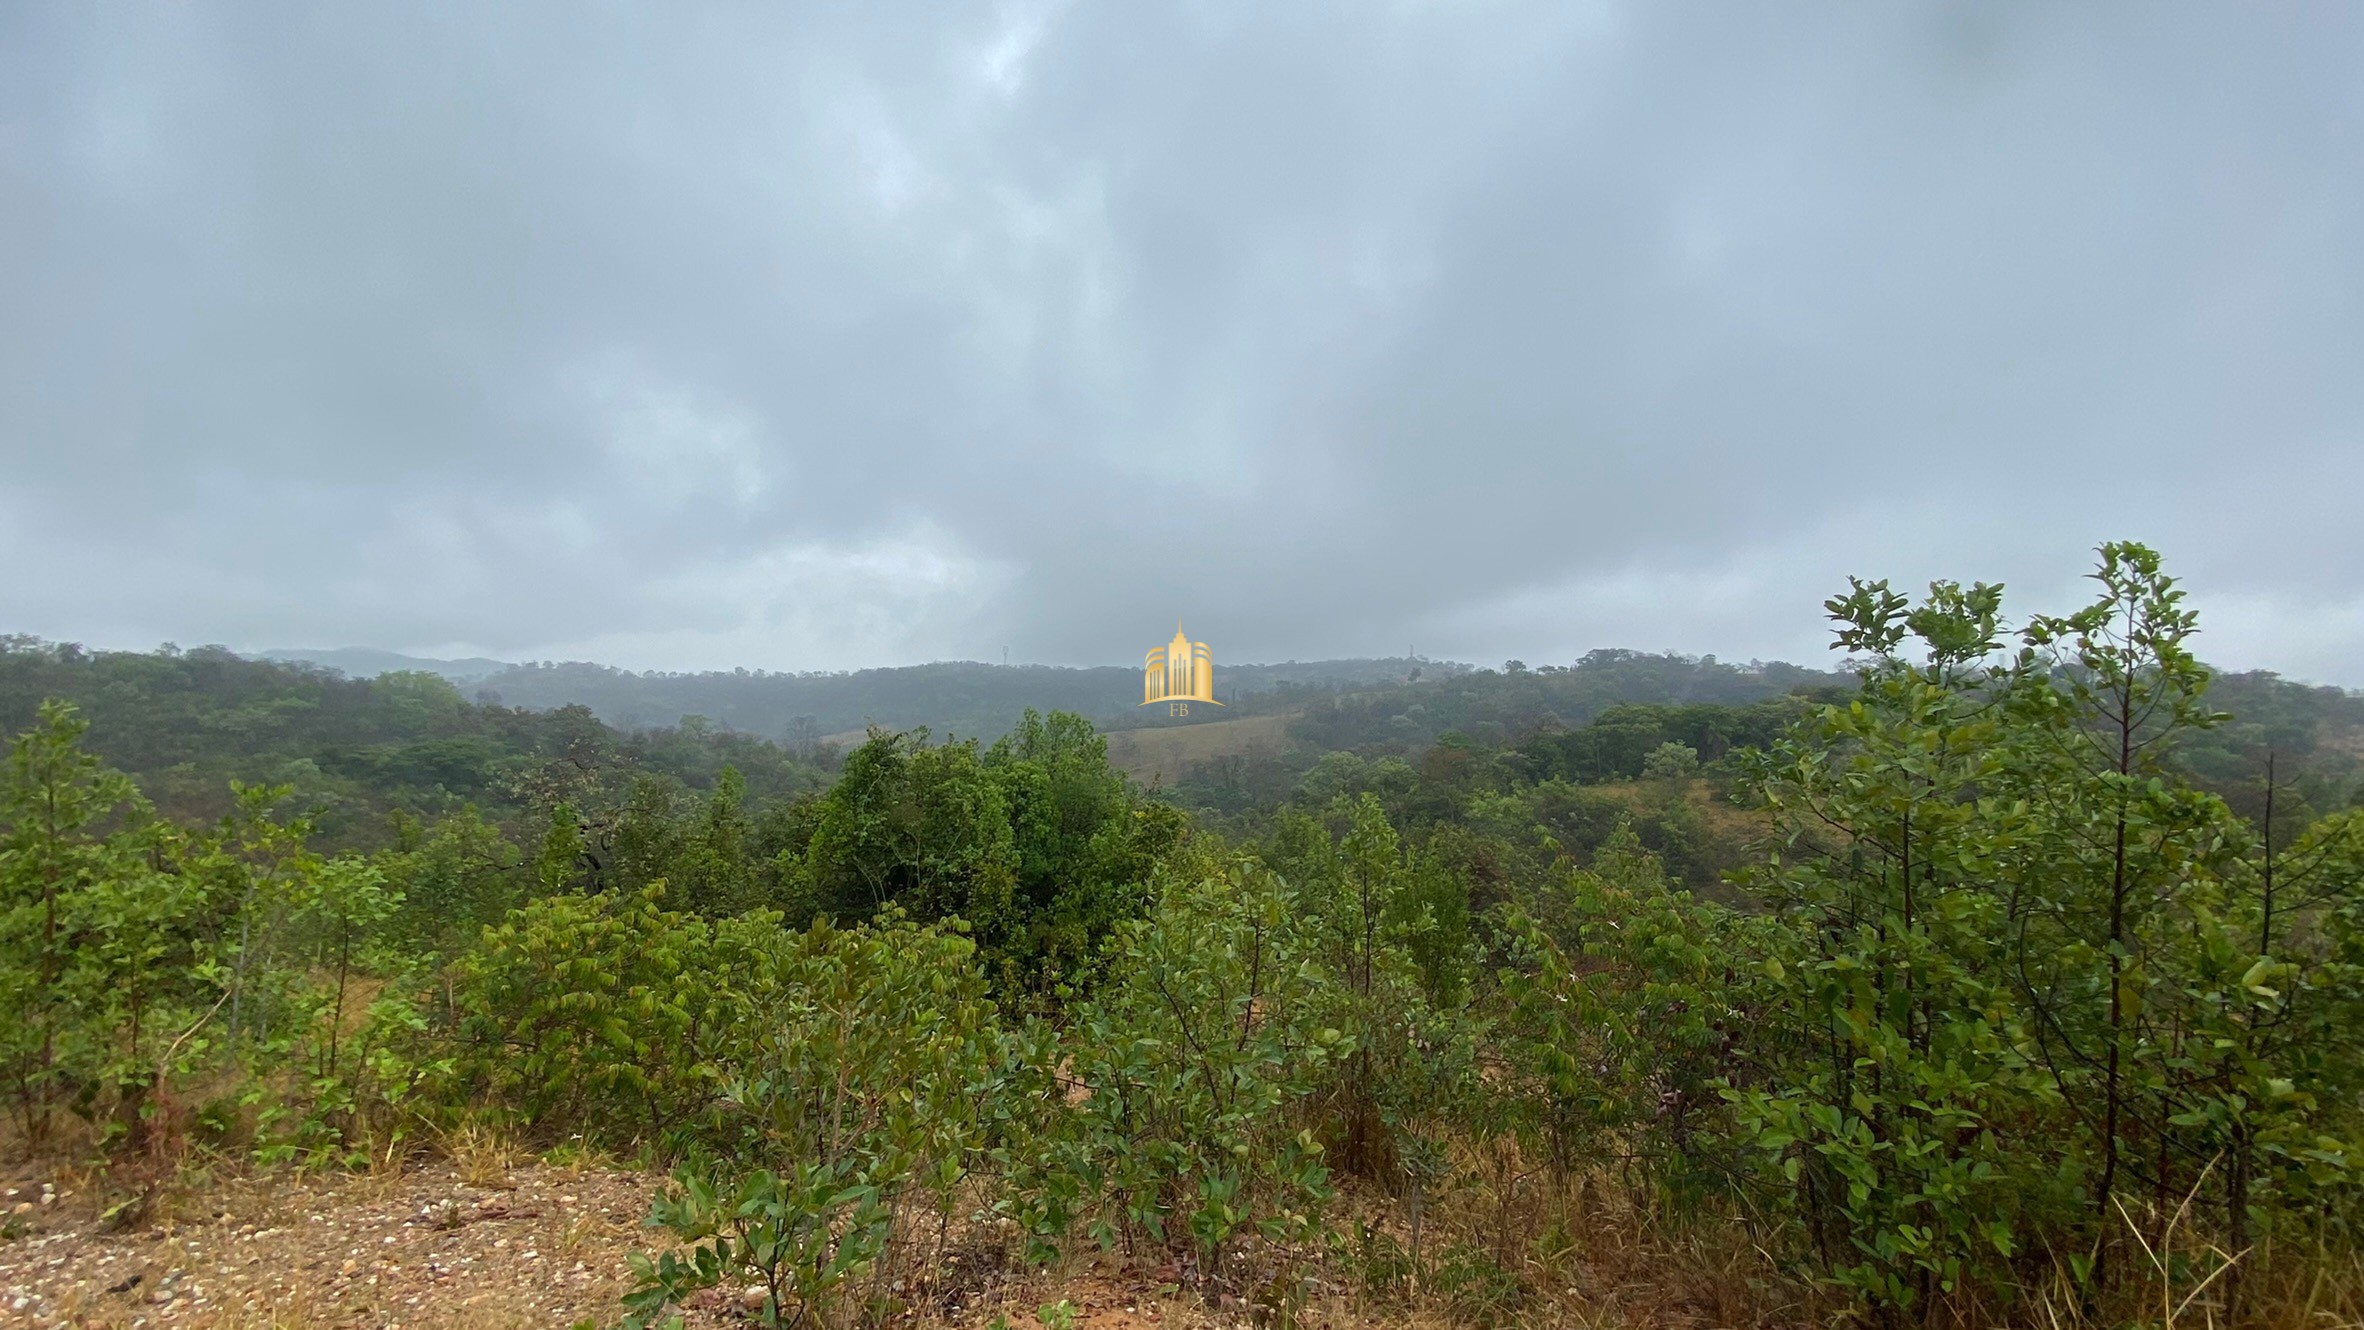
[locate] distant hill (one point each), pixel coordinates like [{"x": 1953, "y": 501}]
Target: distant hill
[
  {"x": 1502, "y": 706},
  {"x": 966, "y": 698},
  {"x": 369, "y": 662},
  {"x": 1366, "y": 705},
  {"x": 1347, "y": 703},
  {"x": 187, "y": 723}
]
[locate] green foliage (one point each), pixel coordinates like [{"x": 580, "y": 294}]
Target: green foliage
[
  {"x": 457, "y": 875},
  {"x": 804, "y": 1237},
  {"x": 133, "y": 953},
  {"x": 607, "y": 1016},
  {"x": 1036, "y": 844},
  {"x": 1621, "y": 1011},
  {"x": 101, "y": 961},
  {"x": 1185, "y": 1069},
  {"x": 2031, "y": 987},
  {"x": 917, "y": 825},
  {"x": 955, "y": 697},
  {"x": 186, "y": 724},
  {"x": 2028, "y": 964},
  {"x": 1670, "y": 761},
  {"x": 851, "y": 1088},
  {"x": 1898, "y": 1054},
  {"x": 1087, "y": 847},
  {"x": 1392, "y": 930},
  {"x": 1516, "y": 704}
]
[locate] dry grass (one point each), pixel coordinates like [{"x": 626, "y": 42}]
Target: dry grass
[
  {"x": 483, "y": 1155},
  {"x": 1510, "y": 1244},
  {"x": 1590, "y": 1251}
]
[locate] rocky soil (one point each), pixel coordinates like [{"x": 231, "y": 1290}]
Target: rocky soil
[
  {"x": 428, "y": 1249},
  {"x": 542, "y": 1247}
]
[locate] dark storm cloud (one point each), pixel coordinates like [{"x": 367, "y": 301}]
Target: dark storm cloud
[{"x": 826, "y": 335}]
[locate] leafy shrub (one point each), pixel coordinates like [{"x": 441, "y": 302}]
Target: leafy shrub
[
  {"x": 850, "y": 1103},
  {"x": 607, "y": 1016},
  {"x": 1185, "y": 1069},
  {"x": 1671, "y": 761},
  {"x": 2029, "y": 991},
  {"x": 1621, "y": 1011},
  {"x": 1390, "y": 928},
  {"x": 1036, "y": 844}
]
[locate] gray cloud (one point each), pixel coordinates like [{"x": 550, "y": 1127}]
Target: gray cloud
[{"x": 845, "y": 334}]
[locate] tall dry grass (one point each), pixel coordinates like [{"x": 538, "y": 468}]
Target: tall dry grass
[{"x": 1594, "y": 1250}]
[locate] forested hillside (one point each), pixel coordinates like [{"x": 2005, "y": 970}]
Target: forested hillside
[
  {"x": 186, "y": 724},
  {"x": 950, "y": 697},
  {"x": 364, "y": 663},
  {"x": 2007, "y": 980}
]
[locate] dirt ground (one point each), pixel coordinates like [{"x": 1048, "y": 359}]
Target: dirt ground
[{"x": 424, "y": 1250}]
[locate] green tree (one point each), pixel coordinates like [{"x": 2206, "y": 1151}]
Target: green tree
[
  {"x": 1086, "y": 846},
  {"x": 1891, "y": 1059},
  {"x": 100, "y": 944},
  {"x": 259, "y": 866},
  {"x": 59, "y": 862},
  {"x": 1671, "y": 761},
  {"x": 1391, "y": 931},
  {"x": 457, "y": 875},
  {"x": 2160, "y": 967},
  {"x": 921, "y": 826},
  {"x": 714, "y": 869}
]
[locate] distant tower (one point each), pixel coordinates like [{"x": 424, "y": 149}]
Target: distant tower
[{"x": 1180, "y": 672}]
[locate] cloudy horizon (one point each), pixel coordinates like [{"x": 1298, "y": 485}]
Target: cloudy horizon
[{"x": 838, "y": 336}]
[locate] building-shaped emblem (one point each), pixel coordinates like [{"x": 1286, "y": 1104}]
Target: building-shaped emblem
[{"x": 1179, "y": 673}]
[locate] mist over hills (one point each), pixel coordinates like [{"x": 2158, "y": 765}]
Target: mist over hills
[
  {"x": 968, "y": 698},
  {"x": 369, "y": 662},
  {"x": 1349, "y": 701}
]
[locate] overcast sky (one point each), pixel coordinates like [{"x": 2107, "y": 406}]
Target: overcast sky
[{"x": 803, "y": 335}]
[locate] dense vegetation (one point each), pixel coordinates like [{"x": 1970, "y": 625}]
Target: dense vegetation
[
  {"x": 188, "y": 723},
  {"x": 2030, "y": 988},
  {"x": 949, "y": 697}
]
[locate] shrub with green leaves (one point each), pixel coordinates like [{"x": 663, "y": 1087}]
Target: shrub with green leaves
[
  {"x": 850, "y": 1108},
  {"x": 608, "y": 1016},
  {"x": 2031, "y": 992},
  {"x": 1622, "y": 1007},
  {"x": 102, "y": 951},
  {"x": 1187, "y": 1072},
  {"x": 1389, "y": 927},
  {"x": 1036, "y": 844},
  {"x": 1894, "y": 1052}
]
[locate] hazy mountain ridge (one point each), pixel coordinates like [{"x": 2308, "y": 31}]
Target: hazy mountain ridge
[
  {"x": 948, "y": 697},
  {"x": 1344, "y": 703},
  {"x": 369, "y": 662}
]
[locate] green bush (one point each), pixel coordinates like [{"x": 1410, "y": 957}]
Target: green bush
[
  {"x": 608, "y": 1016},
  {"x": 2030, "y": 992},
  {"x": 1621, "y": 1011},
  {"x": 850, "y": 1097},
  {"x": 1186, "y": 1073}
]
